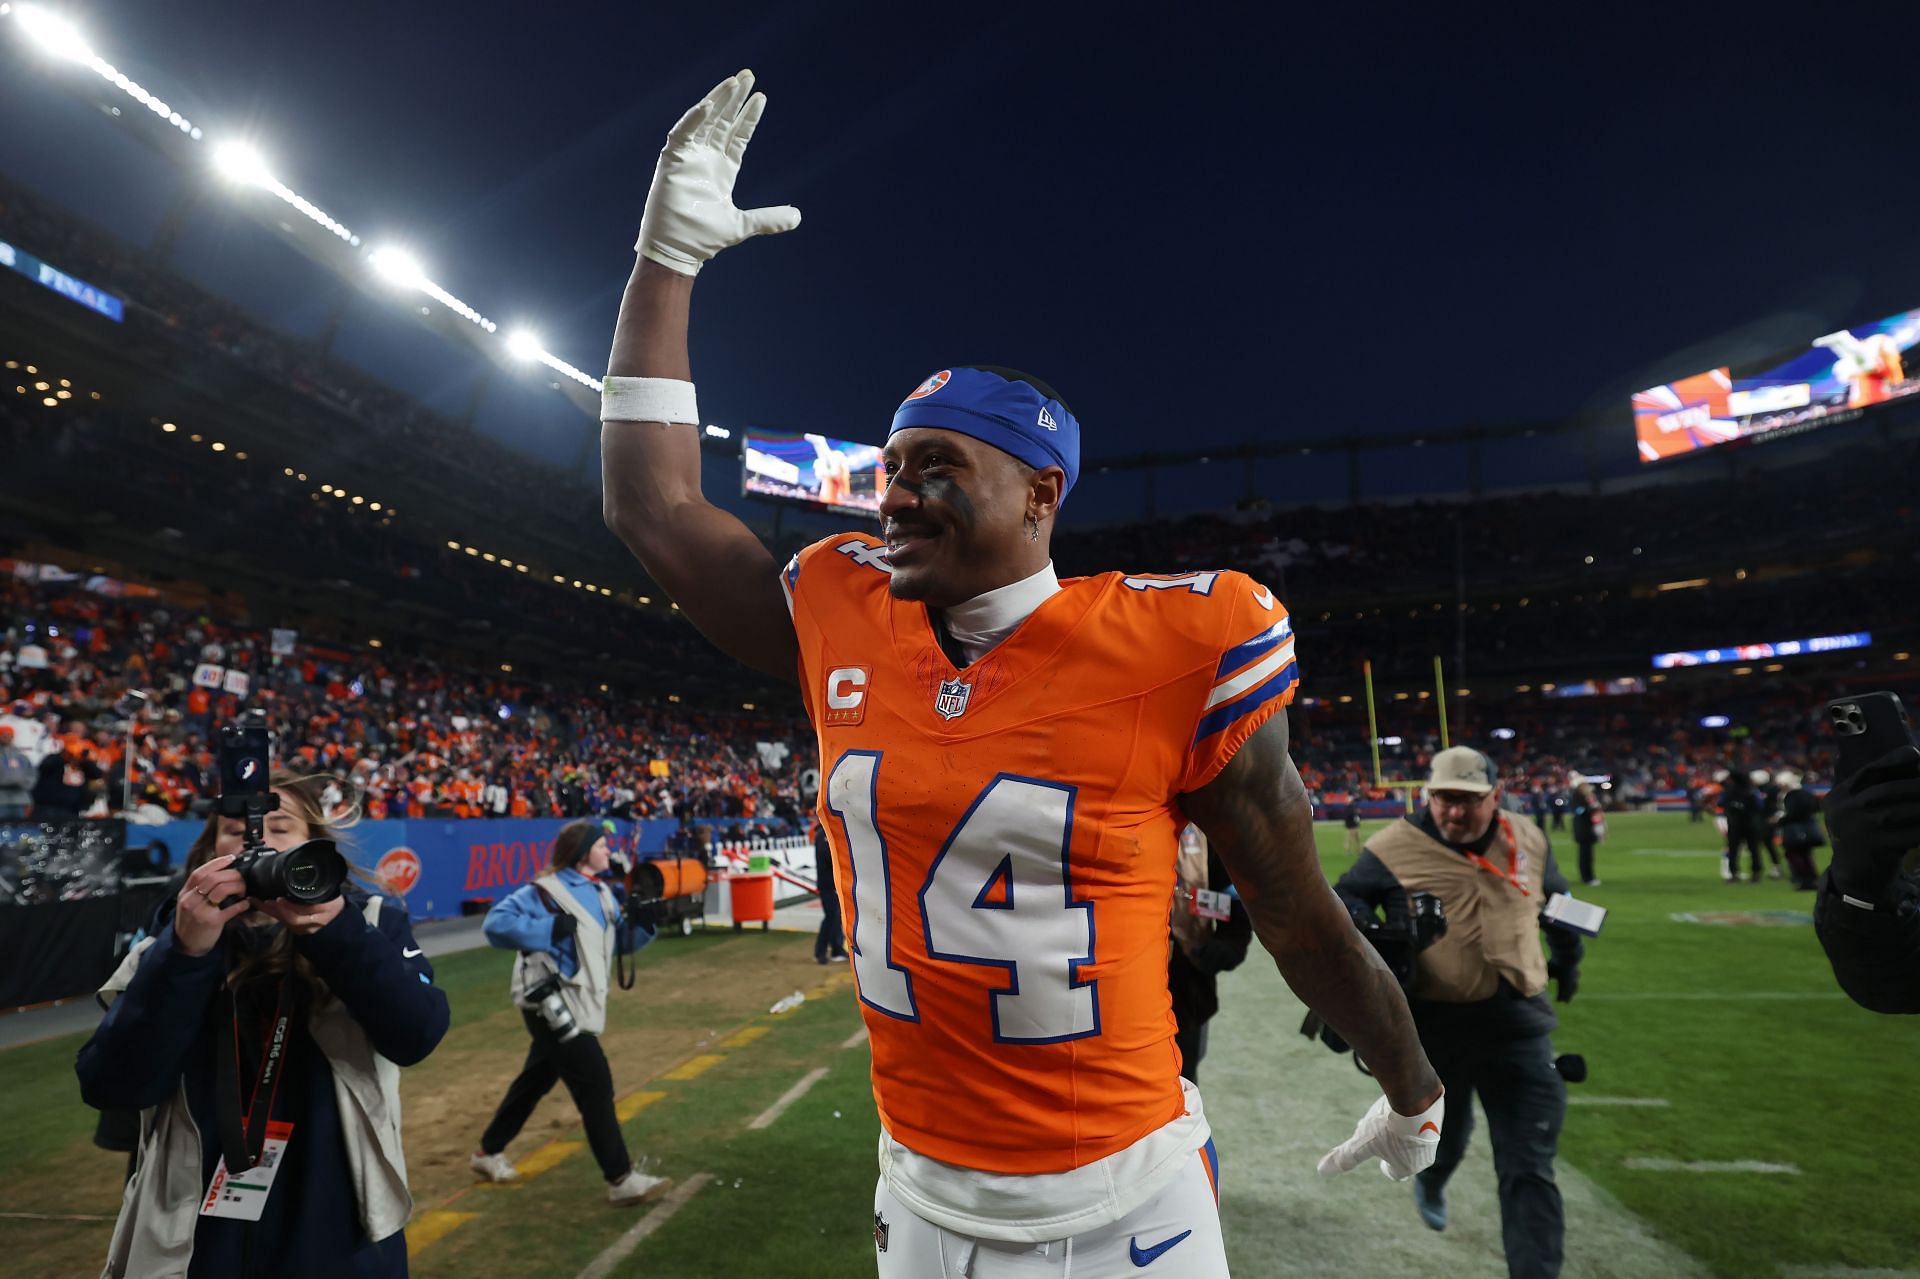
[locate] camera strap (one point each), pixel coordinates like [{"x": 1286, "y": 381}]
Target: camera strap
[{"x": 243, "y": 1132}]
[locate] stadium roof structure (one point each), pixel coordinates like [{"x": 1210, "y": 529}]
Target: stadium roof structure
[{"x": 255, "y": 189}]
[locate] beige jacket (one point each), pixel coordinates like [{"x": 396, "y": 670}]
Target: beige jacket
[
  {"x": 585, "y": 993},
  {"x": 153, "y": 1238},
  {"x": 1493, "y": 929}
]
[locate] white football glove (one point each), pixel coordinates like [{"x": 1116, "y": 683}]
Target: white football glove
[
  {"x": 690, "y": 214},
  {"x": 1404, "y": 1144}
]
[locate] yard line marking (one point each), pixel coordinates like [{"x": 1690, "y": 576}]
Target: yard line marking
[
  {"x": 766, "y": 1117},
  {"x": 1679, "y": 852},
  {"x": 430, "y": 1227},
  {"x": 1846, "y": 1272},
  {"x": 545, "y": 1158},
  {"x": 744, "y": 1036},
  {"x": 694, "y": 1067},
  {"x": 1576, "y": 1099},
  {"x": 1642, "y": 1164},
  {"x": 857, "y": 1038},
  {"x": 622, "y": 1248},
  {"x": 633, "y": 1103},
  {"x": 1761, "y": 995},
  {"x": 50, "y": 1216}
]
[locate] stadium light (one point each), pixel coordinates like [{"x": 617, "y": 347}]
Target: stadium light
[
  {"x": 398, "y": 267},
  {"x": 241, "y": 163},
  {"x": 524, "y": 344},
  {"x": 54, "y": 34}
]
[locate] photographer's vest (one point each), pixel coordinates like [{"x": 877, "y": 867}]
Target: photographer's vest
[
  {"x": 1493, "y": 927},
  {"x": 153, "y": 1237},
  {"x": 585, "y": 993}
]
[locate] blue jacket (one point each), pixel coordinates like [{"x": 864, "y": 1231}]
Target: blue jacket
[
  {"x": 157, "y": 1034},
  {"x": 521, "y": 921}
]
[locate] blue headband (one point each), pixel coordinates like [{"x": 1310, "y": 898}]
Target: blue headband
[{"x": 1012, "y": 416}]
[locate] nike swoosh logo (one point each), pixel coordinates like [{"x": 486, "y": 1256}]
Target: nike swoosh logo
[
  {"x": 409, "y": 954},
  {"x": 1427, "y": 1125},
  {"x": 1264, "y": 598},
  {"x": 1147, "y": 1256}
]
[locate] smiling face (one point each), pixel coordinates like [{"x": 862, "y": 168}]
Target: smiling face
[{"x": 955, "y": 516}]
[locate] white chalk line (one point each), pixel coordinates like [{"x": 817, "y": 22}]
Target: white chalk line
[
  {"x": 1582, "y": 1099},
  {"x": 766, "y": 1117},
  {"x": 622, "y": 1248},
  {"x": 1645, "y": 1164}
]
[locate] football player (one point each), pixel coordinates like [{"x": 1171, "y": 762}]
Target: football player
[{"x": 1008, "y": 760}]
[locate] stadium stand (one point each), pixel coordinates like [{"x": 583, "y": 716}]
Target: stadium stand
[{"x": 600, "y": 677}]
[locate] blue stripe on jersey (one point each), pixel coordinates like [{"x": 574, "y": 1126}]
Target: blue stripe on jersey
[
  {"x": 1224, "y": 715},
  {"x": 1213, "y": 1162},
  {"x": 1235, "y": 658},
  {"x": 793, "y": 573}
]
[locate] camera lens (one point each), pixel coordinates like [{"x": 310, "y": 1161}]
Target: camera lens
[{"x": 311, "y": 873}]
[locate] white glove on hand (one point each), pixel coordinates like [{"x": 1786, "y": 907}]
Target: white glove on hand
[
  {"x": 1404, "y": 1144},
  {"x": 690, "y": 214}
]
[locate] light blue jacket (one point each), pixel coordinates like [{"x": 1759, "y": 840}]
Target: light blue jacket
[{"x": 521, "y": 921}]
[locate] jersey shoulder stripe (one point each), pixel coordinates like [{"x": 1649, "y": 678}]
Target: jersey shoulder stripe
[{"x": 1279, "y": 687}]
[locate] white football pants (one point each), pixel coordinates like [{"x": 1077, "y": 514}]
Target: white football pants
[{"x": 1174, "y": 1235}]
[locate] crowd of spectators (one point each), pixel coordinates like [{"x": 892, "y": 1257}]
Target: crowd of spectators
[{"x": 402, "y": 735}]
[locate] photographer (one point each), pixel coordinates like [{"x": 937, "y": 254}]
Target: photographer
[
  {"x": 1204, "y": 946},
  {"x": 565, "y": 925},
  {"x": 257, "y": 1033},
  {"x": 1476, "y": 991},
  {"x": 1868, "y": 909}
]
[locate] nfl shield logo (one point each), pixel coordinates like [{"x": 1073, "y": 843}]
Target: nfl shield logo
[{"x": 951, "y": 701}]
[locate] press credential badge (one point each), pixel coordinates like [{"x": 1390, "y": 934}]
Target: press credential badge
[{"x": 243, "y": 1196}]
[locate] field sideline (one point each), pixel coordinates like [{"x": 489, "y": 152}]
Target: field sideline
[{"x": 1720, "y": 1043}]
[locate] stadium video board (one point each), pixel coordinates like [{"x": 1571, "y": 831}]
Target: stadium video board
[
  {"x": 1835, "y": 377},
  {"x": 1760, "y": 652},
  {"x": 816, "y": 471}
]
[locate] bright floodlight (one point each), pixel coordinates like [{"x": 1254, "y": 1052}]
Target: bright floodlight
[
  {"x": 524, "y": 345},
  {"x": 53, "y": 33},
  {"x": 239, "y": 162},
  {"x": 397, "y": 266}
]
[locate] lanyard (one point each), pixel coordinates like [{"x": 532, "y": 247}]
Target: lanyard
[
  {"x": 243, "y": 1133},
  {"x": 1512, "y": 873}
]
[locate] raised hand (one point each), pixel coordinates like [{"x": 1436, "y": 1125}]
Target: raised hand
[{"x": 690, "y": 211}]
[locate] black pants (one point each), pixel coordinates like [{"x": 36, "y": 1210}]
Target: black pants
[
  {"x": 1192, "y": 1042},
  {"x": 1735, "y": 838},
  {"x": 1525, "y": 1101},
  {"x": 830, "y": 940},
  {"x": 583, "y": 1067},
  {"x": 1586, "y": 863}
]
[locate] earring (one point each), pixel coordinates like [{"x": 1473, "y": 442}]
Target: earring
[{"x": 1033, "y": 529}]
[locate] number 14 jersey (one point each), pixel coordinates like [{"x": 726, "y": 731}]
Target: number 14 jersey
[{"x": 1004, "y": 838}]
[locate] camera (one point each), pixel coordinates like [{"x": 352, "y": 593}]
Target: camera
[
  {"x": 1399, "y": 945},
  {"x": 309, "y": 874},
  {"x": 546, "y": 1000}
]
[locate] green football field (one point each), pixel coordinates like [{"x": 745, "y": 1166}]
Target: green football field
[{"x": 1742, "y": 1118}]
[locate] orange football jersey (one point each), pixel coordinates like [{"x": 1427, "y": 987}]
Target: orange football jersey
[{"x": 1004, "y": 840}]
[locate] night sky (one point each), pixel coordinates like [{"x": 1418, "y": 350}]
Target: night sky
[{"x": 1201, "y": 226}]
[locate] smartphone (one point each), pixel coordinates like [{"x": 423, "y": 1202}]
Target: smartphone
[{"x": 1867, "y": 726}]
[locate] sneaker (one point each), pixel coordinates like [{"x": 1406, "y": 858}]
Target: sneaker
[
  {"x": 838, "y": 957},
  {"x": 493, "y": 1168},
  {"x": 1430, "y": 1204},
  {"x": 1591, "y": 883},
  {"x": 637, "y": 1188},
  {"x": 1774, "y": 873}
]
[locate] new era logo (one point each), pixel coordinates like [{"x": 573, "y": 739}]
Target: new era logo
[{"x": 1046, "y": 420}]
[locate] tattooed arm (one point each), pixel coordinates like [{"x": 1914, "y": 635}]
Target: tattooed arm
[{"x": 1256, "y": 816}]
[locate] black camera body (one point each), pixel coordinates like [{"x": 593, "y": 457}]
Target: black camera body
[
  {"x": 1399, "y": 945},
  {"x": 309, "y": 874}
]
